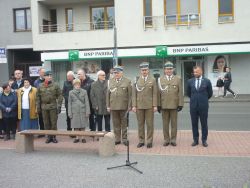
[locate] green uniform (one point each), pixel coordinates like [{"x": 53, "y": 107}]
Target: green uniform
[
  {"x": 170, "y": 97},
  {"x": 49, "y": 100},
  {"x": 119, "y": 101},
  {"x": 144, "y": 98}
]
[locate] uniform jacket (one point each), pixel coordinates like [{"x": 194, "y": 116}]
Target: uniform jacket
[
  {"x": 67, "y": 87},
  {"x": 9, "y": 101},
  {"x": 144, "y": 95},
  {"x": 49, "y": 98},
  {"x": 199, "y": 98},
  {"x": 170, "y": 92},
  {"x": 32, "y": 102},
  {"x": 78, "y": 108},
  {"x": 98, "y": 94},
  {"x": 119, "y": 94}
]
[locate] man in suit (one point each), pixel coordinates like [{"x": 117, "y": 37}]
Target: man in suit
[
  {"x": 144, "y": 103},
  {"x": 171, "y": 101},
  {"x": 199, "y": 90},
  {"x": 118, "y": 103}
]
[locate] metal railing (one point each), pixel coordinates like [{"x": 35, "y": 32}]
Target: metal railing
[
  {"x": 86, "y": 26},
  {"x": 172, "y": 20}
]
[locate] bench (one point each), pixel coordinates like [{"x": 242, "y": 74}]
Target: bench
[{"x": 25, "y": 139}]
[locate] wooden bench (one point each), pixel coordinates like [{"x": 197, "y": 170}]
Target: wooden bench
[{"x": 25, "y": 139}]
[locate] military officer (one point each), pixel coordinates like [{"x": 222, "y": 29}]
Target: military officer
[
  {"x": 49, "y": 101},
  {"x": 119, "y": 103},
  {"x": 144, "y": 103},
  {"x": 171, "y": 101}
]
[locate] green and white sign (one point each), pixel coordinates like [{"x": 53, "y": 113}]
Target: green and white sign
[
  {"x": 161, "y": 51},
  {"x": 73, "y": 55}
]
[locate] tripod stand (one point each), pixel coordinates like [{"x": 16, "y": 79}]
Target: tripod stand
[{"x": 128, "y": 163}]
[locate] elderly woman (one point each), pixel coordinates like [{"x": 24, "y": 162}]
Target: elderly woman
[
  {"x": 78, "y": 108},
  {"x": 27, "y": 113},
  {"x": 8, "y": 103}
]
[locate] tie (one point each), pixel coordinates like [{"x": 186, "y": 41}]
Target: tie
[
  {"x": 169, "y": 78},
  {"x": 198, "y": 83}
]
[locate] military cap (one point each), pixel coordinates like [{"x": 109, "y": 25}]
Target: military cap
[
  {"x": 168, "y": 65},
  {"x": 76, "y": 81},
  {"x": 144, "y": 65},
  {"x": 118, "y": 69},
  {"x": 47, "y": 73}
]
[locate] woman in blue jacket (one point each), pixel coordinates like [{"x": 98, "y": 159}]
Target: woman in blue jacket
[{"x": 8, "y": 104}]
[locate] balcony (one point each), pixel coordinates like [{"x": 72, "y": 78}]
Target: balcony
[
  {"x": 172, "y": 20},
  {"x": 76, "y": 27}
]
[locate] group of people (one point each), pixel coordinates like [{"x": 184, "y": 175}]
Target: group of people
[{"x": 87, "y": 102}]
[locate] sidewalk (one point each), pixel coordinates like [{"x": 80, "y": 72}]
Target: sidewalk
[{"x": 221, "y": 143}]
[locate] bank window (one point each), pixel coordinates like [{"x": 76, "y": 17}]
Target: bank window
[
  {"x": 182, "y": 12},
  {"x": 22, "y": 19},
  {"x": 147, "y": 13},
  {"x": 102, "y": 17},
  {"x": 226, "y": 11},
  {"x": 69, "y": 19}
]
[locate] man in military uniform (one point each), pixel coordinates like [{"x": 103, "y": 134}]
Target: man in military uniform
[
  {"x": 119, "y": 103},
  {"x": 171, "y": 101},
  {"x": 49, "y": 101},
  {"x": 144, "y": 103}
]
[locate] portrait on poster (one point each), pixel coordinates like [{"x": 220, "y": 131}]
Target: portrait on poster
[{"x": 220, "y": 64}]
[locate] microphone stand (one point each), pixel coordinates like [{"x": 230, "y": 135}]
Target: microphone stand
[{"x": 128, "y": 163}]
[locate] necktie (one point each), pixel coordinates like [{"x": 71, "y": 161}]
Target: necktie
[
  {"x": 198, "y": 83},
  {"x": 169, "y": 78}
]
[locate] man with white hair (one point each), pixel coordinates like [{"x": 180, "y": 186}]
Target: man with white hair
[
  {"x": 67, "y": 87},
  {"x": 86, "y": 82},
  {"x": 98, "y": 94}
]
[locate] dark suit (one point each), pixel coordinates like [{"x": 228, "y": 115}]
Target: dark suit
[{"x": 199, "y": 106}]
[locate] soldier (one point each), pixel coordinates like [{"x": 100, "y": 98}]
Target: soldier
[
  {"x": 144, "y": 102},
  {"x": 49, "y": 101},
  {"x": 171, "y": 101},
  {"x": 119, "y": 103}
]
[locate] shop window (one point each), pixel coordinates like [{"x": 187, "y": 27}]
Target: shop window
[
  {"x": 226, "y": 11},
  {"x": 147, "y": 13},
  {"x": 182, "y": 12},
  {"x": 102, "y": 17},
  {"x": 22, "y": 19},
  {"x": 69, "y": 19}
]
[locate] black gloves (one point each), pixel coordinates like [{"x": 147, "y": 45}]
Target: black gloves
[
  {"x": 179, "y": 108},
  {"x": 159, "y": 109},
  {"x": 58, "y": 109}
]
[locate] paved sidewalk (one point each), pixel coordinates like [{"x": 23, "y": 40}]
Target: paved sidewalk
[{"x": 221, "y": 143}]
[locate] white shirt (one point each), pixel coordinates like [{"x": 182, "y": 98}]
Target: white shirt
[
  {"x": 25, "y": 98},
  {"x": 145, "y": 78},
  {"x": 169, "y": 77},
  {"x": 196, "y": 82}
]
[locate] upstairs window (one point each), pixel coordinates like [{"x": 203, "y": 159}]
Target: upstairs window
[
  {"x": 22, "y": 19},
  {"x": 182, "y": 12},
  {"x": 69, "y": 19},
  {"x": 226, "y": 11},
  {"x": 102, "y": 17},
  {"x": 147, "y": 13}
]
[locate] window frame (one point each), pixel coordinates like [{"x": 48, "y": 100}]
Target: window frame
[
  {"x": 144, "y": 13},
  {"x": 222, "y": 15},
  {"x": 67, "y": 20},
  {"x": 25, "y": 20},
  {"x": 106, "y": 27},
  {"x": 178, "y": 9}
]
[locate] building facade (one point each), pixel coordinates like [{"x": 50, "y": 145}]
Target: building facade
[
  {"x": 212, "y": 34},
  {"x": 16, "y": 49}
]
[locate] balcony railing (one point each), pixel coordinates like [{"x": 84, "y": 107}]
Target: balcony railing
[
  {"x": 172, "y": 20},
  {"x": 86, "y": 26}
]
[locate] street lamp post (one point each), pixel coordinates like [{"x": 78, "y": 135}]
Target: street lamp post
[{"x": 115, "y": 58}]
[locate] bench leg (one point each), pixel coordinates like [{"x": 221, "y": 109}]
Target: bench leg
[
  {"x": 24, "y": 143},
  {"x": 107, "y": 145}
]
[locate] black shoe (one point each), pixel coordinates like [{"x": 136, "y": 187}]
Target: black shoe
[
  {"x": 173, "y": 144},
  {"x": 166, "y": 144},
  {"x": 205, "y": 144},
  {"x": 76, "y": 140},
  {"x": 72, "y": 136},
  {"x": 125, "y": 143},
  {"x": 195, "y": 144},
  {"x": 140, "y": 145},
  {"x": 49, "y": 139},
  {"x": 118, "y": 142},
  {"x": 149, "y": 145},
  {"x": 54, "y": 140},
  {"x": 83, "y": 140},
  {"x": 40, "y": 136},
  {"x": 6, "y": 137}
]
